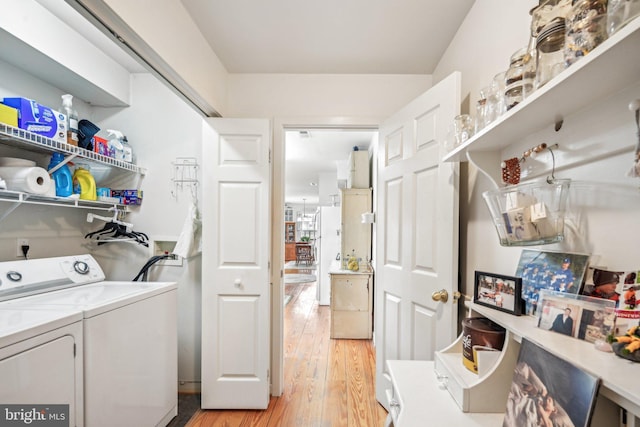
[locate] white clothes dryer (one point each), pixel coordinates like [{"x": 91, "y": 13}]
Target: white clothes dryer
[
  {"x": 129, "y": 340},
  {"x": 41, "y": 362}
]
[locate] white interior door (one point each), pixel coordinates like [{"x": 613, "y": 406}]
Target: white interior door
[
  {"x": 417, "y": 231},
  {"x": 235, "y": 267}
]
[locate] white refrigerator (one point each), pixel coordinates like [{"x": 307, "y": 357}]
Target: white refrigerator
[{"x": 328, "y": 249}]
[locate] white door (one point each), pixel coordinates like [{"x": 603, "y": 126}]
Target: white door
[
  {"x": 235, "y": 264},
  {"x": 417, "y": 232}
]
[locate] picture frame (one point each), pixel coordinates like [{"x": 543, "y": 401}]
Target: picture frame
[
  {"x": 551, "y": 271},
  {"x": 582, "y": 317},
  {"x": 499, "y": 292},
  {"x": 548, "y": 390}
]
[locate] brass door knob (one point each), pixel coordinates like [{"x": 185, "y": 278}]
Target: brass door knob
[{"x": 441, "y": 295}]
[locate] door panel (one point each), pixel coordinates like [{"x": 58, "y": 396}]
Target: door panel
[
  {"x": 239, "y": 212},
  {"x": 424, "y": 320},
  {"x": 417, "y": 229},
  {"x": 393, "y": 222},
  {"x": 391, "y": 328},
  {"x": 235, "y": 277}
]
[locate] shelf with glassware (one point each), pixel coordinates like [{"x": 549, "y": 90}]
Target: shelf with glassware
[
  {"x": 585, "y": 82},
  {"x": 289, "y": 241}
]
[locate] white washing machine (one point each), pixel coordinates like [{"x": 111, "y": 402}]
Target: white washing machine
[{"x": 129, "y": 337}]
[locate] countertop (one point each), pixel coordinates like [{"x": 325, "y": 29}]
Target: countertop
[{"x": 336, "y": 268}]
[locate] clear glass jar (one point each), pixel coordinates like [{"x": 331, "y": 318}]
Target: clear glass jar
[
  {"x": 462, "y": 128},
  {"x": 550, "y": 52},
  {"x": 620, "y": 12},
  {"x": 496, "y": 102},
  {"x": 546, "y": 12},
  {"x": 586, "y": 28},
  {"x": 481, "y": 110},
  {"x": 519, "y": 77},
  {"x": 459, "y": 130}
]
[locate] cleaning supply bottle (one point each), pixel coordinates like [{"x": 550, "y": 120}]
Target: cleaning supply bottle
[
  {"x": 116, "y": 147},
  {"x": 84, "y": 184},
  {"x": 61, "y": 176},
  {"x": 127, "y": 151},
  {"x": 72, "y": 119}
]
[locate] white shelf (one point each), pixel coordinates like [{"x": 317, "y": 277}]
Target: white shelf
[
  {"x": 25, "y": 140},
  {"x": 607, "y": 70},
  {"x": 19, "y": 197},
  {"x": 619, "y": 376}
]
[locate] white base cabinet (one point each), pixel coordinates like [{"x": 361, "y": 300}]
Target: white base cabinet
[
  {"x": 418, "y": 399},
  {"x": 351, "y": 305}
]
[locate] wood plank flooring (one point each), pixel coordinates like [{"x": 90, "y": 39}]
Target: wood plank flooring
[{"x": 328, "y": 383}]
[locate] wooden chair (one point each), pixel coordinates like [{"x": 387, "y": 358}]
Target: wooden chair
[{"x": 304, "y": 253}]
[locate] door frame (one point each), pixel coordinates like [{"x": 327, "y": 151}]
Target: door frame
[{"x": 280, "y": 126}]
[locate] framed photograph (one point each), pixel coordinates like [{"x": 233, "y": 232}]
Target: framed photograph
[
  {"x": 498, "y": 291},
  {"x": 582, "y": 317},
  {"x": 548, "y": 390},
  {"x": 621, "y": 287},
  {"x": 551, "y": 271}
]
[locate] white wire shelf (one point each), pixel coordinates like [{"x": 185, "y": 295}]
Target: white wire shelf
[
  {"x": 19, "y": 197},
  {"x": 23, "y": 139}
]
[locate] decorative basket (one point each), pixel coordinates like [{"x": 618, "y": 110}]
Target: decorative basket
[{"x": 529, "y": 214}]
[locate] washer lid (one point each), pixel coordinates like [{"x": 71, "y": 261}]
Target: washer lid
[{"x": 96, "y": 298}]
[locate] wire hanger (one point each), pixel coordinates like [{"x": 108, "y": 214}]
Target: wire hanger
[{"x": 115, "y": 230}]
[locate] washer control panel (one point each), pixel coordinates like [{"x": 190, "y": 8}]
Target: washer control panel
[{"x": 28, "y": 277}]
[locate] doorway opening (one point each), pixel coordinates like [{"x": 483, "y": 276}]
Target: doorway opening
[{"x": 316, "y": 168}]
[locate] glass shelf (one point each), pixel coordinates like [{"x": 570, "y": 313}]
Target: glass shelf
[{"x": 25, "y": 140}]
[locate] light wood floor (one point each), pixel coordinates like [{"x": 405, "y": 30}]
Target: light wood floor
[{"x": 328, "y": 383}]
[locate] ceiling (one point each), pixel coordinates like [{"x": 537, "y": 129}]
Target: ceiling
[{"x": 331, "y": 36}]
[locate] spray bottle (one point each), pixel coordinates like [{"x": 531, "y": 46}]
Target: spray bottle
[{"x": 72, "y": 119}]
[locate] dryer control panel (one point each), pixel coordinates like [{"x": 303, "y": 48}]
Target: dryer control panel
[{"x": 34, "y": 276}]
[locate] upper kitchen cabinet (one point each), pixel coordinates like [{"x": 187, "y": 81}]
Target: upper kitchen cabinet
[
  {"x": 42, "y": 44},
  {"x": 609, "y": 69}
]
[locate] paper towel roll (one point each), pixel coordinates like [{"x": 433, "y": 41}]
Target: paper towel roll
[{"x": 33, "y": 180}]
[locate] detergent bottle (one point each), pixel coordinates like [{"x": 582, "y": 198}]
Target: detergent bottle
[
  {"x": 84, "y": 184},
  {"x": 61, "y": 176}
]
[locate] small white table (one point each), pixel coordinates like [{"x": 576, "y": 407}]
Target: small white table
[{"x": 418, "y": 399}]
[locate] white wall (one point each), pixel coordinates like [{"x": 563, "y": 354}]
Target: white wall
[
  {"x": 595, "y": 145},
  {"x": 160, "y": 128},
  {"x": 168, "y": 29},
  {"x": 329, "y": 95}
]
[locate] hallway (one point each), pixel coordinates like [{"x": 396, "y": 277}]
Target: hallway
[{"x": 328, "y": 383}]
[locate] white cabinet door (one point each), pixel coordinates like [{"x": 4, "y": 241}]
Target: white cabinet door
[
  {"x": 356, "y": 236},
  {"x": 235, "y": 269},
  {"x": 417, "y": 231}
]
